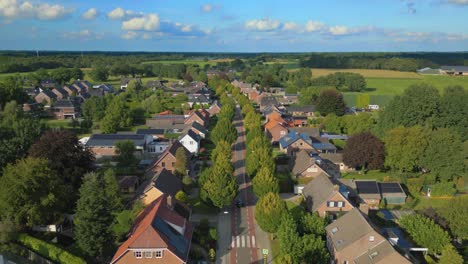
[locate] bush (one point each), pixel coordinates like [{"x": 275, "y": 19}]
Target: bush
[
  {"x": 48, "y": 250},
  {"x": 443, "y": 189}
]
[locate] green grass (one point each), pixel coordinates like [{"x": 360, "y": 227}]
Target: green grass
[
  {"x": 370, "y": 175},
  {"x": 275, "y": 249}
]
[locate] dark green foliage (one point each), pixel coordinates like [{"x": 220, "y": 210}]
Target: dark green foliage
[
  {"x": 443, "y": 189},
  {"x": 425, "y": 232},
  {"x": 94, "y": 108},
  {"x": 11, "y": 90},
  {"x": 31, "y": 193},
  {"x": 364, "y": 151},
  {"x": 181, "y": 161},
  {"x": 64, "y": 75},
  {"x": 224, "y": 130},
  {"x": 112, "y": 191},
  {"x": 125, "y": 153},
  {"x": 117, "y": 116},
  {"x": 123, "y": 221},
  {"x": 331, "y": 101},
  {"x": 269, "y": 211},
  {"x": 314, "y": 249},
  {"x": 99, "y": 74},
  {"x": 93, "y": 218},
  {"x": 290, "y": 241},
  {"x": 312, "y": 223},
  {"x": 453, "y": 110},
  {"x": 343, "y": 81}
]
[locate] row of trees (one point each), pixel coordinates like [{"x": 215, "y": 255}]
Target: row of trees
[{"x": 343, "y": 81}]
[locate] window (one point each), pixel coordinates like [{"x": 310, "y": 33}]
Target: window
[
  {"x": 158, "y": 254},
  {"x": 283, "y": 133},
  {"x": 148, "y": 254},
  {"x": 163, "y": 164},
  {"x": 331, "y": 204},
  {"x": 160, "y": 148},
  {"x": 371, "y": 238},
  {"x": 173, "y": 164},
  {"x": 137, "y": 254},
  {"x": 340, "y": 204}
]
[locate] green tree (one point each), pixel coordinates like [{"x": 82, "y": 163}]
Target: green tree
[
  {"x": 314, "y": 249},
  {"x": 405, "y": 147},
  {"x": 290, "y": 241},
  {"x": 118, "y": 115},
  {"x": 221, "y": 187},
  {"x": 99, "y": 74},
  {"x": 333, "y": 123},
  {"x": 268, "y": 212},
  {"x": 453, "y": 110},
  {"x": 312, "y": 223},
  {"x": 456, "y": 215},
  {"x": 181, "y": 161},
  {"x": 443, "y": 155},
  {"x": 222, "y": 148},
  {"x": 331, "y": 101},
  {"x": 364, "y": 151},
  {"x": 182, "y": 197},
  {"x": 11, "y": 89},
  {"x": 450, "y": 256},
  {"x": 265, "y": 182},
  {"x": 125, "y": 153},
  {"x": 31, "y": 193},
  {"x": 425, "y": 232},
  {"x": 112, "y": 191},
  {"x": 224, "y": 130},
  {"x": 93, "y": 217}
]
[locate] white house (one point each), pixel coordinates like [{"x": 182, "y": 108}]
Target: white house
[
  {"x": 190, "y": 141},
  {"x": 158, "y": 146}
]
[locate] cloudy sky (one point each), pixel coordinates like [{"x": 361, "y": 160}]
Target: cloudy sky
[{"x": 235, "y": 26}]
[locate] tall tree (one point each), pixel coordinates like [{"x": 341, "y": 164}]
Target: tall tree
[
  {"x": 181, "y": 161},
  {"x": 224, "y": 130},
  {"x": 443, "y": 155},
  {"x": 364, "y": 151},
  {"x": 405, "y": 147},
  {"x": 268, "y": 212},
  {"x": 117, "y": 116},
  {"x": 222, "y": 148},
  {"x": 112, "y": 191},
  {"x": 65, "y": 154},
  {"x": 125, "y": 150},
  {"x": 31, "y": 193},
  {"x": 314, "y": 249},
  {"x": 331, "y": 101},
  {"x": 312, "y": 224},
  {"x": 265, "y": 182},
  {"x": 453, "y": 110},
  {"x": 456, "y": 215},
  {"x": 99, "y": 74},
  {"x": 290, "y": 241},
  {"x": 93, "y": 217},
  {"x": 221, "y": 186}
]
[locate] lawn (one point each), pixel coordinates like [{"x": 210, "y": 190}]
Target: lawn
[
  {"x": 369, "y": 73},
  {"x": 201, "y": 63},
  {"x": 370, "y": 175}
]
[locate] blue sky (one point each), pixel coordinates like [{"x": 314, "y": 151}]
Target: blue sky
[{"x": 235, "y": 26}]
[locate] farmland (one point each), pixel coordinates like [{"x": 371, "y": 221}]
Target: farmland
[{"x": 369, "y": 73}]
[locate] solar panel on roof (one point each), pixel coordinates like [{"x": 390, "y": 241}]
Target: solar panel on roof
[
  {"x": 390, "y": 187},
  {"x": 367, "y": 187},
  {"x": 175, "y": 238}
]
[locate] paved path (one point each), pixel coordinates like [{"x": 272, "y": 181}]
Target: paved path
[{"x": 241, "y": 240}]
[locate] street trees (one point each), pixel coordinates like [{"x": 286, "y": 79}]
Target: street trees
[
  {"x": 31, "y": 193},
  {"x": 290, "y": 241},
  {"x": 265, "y": 182},
  {"x": 364, "y": 151},
  {"x": 224, "y": 130},
  {"x": 331, "y": 101},
  {"x": 268, "y": 212},
  {"x": 93, "y": 217}
]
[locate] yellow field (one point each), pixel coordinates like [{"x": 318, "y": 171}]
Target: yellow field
[{"x": 367, "y": 73}]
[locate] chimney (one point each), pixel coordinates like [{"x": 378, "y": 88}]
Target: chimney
[{"x": 170, "y": 202}]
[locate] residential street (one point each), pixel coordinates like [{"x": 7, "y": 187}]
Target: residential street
[{"x": 241, "y": 240}]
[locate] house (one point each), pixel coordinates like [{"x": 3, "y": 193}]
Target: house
[
  {"x": 167, "y": 159},
  {"x": 124, "y": 82},
  {"x": 196, "y": 116},
  {"x": 191, "y": 141},
  {"x": 307, "y": 164},
  {"x": 294, "y": 141},
  {"x": 70, "y": 89},
  {"x": 289, "y": 99},
  {"x": 198, "y": 100},
  {"x": 392, "y": 193},
  {"x": 154, "y": 132},
  {"x": 155, "y": 84},
  {"x": 454, "y": 70},
  {"x": 65, "y": 109},
  {"x": 299, "y": 121},
  {"x": 306, "y": 110},
  {"x": 104, "y": 144},
  {"x": 324, "y": 147},
  {"x": 45, "y": 97},
  {"x": 337, "y": 159},
  {"x": 253, "y": 95},
  {"x": 196, "y": 127},
  {"x": 275, "y": 131},
  {"x": 128, "y": 184},
  {"x": 267, "y": 100},
  {"x": 162, "y": 233},
  {"x": 60, "y": 93},
  {"x": 48, "y": 84},
  {"x": 80, "y": 87},
  {"x": 173, "y": 122},
  {"x": 368, "y": 192},
  {"x": 351, "y": 239},
  {"x": 323, "y": 196},
  {"x": 162, "y": 183},
  {"x": 101, "y": 90},
  {"x": 214, "y": 108},
  {"x": 312, "y": 132},
  {"x": 158, "y": 145},
  {"x": 277, "y": 90},
  {"x": 275, "y": 116}
]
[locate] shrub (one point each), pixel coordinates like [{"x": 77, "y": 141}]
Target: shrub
[
  {"x": 443, "y": 189},
  {"x": 49, "y": 251}
]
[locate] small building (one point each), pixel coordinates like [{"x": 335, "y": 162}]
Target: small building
[
  {"x": 214, "y": 108},
  {"x": 65, "y": 109},
  {"x": 299, "y": 121},
  {"x": 275, "y": 131},
  {"x": 161, "y": 183},
  {"x": 104, "y": 144},
  {"x": 191, "y": 141},
  {"x": 337, "y": 159},
  {"x": 167, "y": 159},
  {"x": 45, "y": 97},
  {"x": 392, "y": 193},
  {"x": 324, "y": 197},
  {"x": 158, "y": 146},
  {"x": 306, "y": 164},
  {"x": 125, "y": 81},
  {"x": 197, "y": 116},
  {"x": 172, "y": 122},
  {"x": 154, "y": 132},
  {"x": 196, "y": 127},
  {"x": 201, "y": 100},
  {"x": 368, "y": 192}
]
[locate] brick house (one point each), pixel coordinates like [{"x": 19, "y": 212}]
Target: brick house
[
  {"x": 104, "y": 144},
  {"x": 198, "y": 117},
  {"x": 60, "y": 93},
  {"x": 161, "y": 183},
  {"x": 162, "y": 233},
  {"x": 45, "y": 97},
  {"x": 351, "y": 239},
  {"x": 275, "y": 131},
  {"x": 65, "y": 109},
  {"x": 70, "y": 89},
  {"x": 306, "y": 164},
  {"x": 167, "y": 159},
  {"x": 306, "y": 110},
  {"x": 337, "y": 160},
  {"x": 214, "y": 108},
  {"x": 196, "y": 127},
  {"x": 323, "y": 196},
  {"x": 294, "y": 141}
]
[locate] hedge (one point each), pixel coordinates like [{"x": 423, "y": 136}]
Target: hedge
[{"x": 49, "y": 250}]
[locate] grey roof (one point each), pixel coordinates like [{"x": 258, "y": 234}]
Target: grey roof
[
  {"x": 455, "y": 68},
  {"x": 177, "y": 240},
  {"x": 64, "y": 103},
  {"x": 305, "y": 108},
  {"x": 292, "y": 137},
  {"x": 367, "y": 189},
  {"x": 101, "y": 140},
  {"x": 376, "y": 254},
  {"x": 333, "y": 157},
  {"x": 268, "y": 100},
  {"x": 310, "y": 131},
  {"x": 324, "y": 146},
  {"x": 391, "y": 189},
  {"x": 199, "y": 127},
  {"x": 318, "y": 190},
  {"x": 150, "y": 131},
  {"x": 49, "y": 93},
  {"x": 166, "y": 182},
  {"x": 191, "y": 134},
  {"x": 302, "y": 161},
  {"x": 61, "y": 90},
  {"x": 170, "y": 117},
  {"x": 349, "y": 228}
]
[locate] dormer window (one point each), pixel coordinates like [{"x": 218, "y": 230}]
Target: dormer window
[
  {"x": 334, "y": 230},
  {"x": 148, "y": 254},
  {"x": 137, "y": 254},
  {"x": 158, "y": 254}
]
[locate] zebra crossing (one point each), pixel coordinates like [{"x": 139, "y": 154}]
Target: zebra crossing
[{"x": 243, "y": 242}]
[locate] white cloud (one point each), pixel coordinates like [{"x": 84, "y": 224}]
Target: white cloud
[
  {"x": 122, "y": 14},
  {"x": 149, "y": 22},
  {"x": 458, "y": 2},
  {"x": 339, "y": 30},
  {"x": 84, "y": 34},
  {"x": 206, "y": 8},
  {"x": 264, "y": 24},
  {"x": 13, "y": 9},
  {"x": 129, "y": 35},
  {"x": 90, "y": 14},
  {"x": 290, "y": 26},
  {"x": 312, "y": 26}
]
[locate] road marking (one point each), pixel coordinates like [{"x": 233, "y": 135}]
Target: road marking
[
  {"x": 233, "y": 242},
  {"x": 243, "y": 241},
  {"x": 238, "y": 241},
  {"x": 248, "y": 241},
  {"x": 253, "y": 241}
]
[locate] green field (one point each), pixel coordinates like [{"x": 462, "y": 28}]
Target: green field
[{"x": 201, "y": 63}]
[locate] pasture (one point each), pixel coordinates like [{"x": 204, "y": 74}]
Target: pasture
[
  {"x": 369, "y": 73},
  {"x": 201, "y": 63}
]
